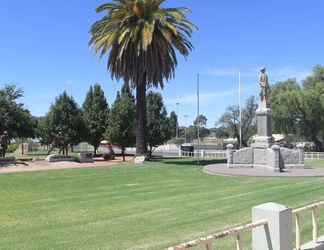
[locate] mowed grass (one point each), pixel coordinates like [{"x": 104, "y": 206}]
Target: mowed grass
[{"x": 140, "y": 206}]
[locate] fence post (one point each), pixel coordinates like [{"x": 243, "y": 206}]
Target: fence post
[
  {"x": 277, "y": 234},
  {"x": 230, "y": 154},
  {"x": 301, "y": 155}
]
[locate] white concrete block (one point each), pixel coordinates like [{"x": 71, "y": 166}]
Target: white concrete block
[
  {"x": 277, "y": 234},
  {"x": 86, "y": 157},
  {"x": 139, "y": 159},
  {"x": 56, "y": 158}
]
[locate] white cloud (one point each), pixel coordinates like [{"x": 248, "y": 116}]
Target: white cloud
[
  {"x": 274, "y": 74},
  {"x": 282, "y": 74},
  {"x": 203, "y": 97}
]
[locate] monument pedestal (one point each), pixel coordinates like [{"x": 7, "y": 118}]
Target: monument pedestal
[
  {"x": 86, "y": 157},
  {"x": 264, "y": 154},
  {"x": 56, "y": 158}
]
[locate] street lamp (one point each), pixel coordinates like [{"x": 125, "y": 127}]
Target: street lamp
[
  {"x": 177, "y": 121},
  {"x": 185, "y": 116}
]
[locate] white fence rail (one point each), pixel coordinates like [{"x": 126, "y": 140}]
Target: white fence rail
[
  {"x": 223, "y": 154},
  {"x": 314, "y": 155},
  {"x": 297, "y": 213},
  {"x": 203, "y": 153},
  {"x": 209, "y": 239},
  {"x": 271, "y": 223}
]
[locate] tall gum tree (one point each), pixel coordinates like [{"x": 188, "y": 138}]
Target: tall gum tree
[
  {"x": 231, "y": 120},
  {"x": 142, "y": 39},
  {"x": 299, "y": 108}
]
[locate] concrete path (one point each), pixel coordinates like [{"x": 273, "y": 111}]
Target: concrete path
[
  {"x": 221, "y": 169},
  {"x": 22, "y": 166}
]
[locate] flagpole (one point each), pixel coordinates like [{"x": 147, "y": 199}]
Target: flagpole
[
  {"x": 240, "y": 109},
  {"x": 198, "y": 119}
]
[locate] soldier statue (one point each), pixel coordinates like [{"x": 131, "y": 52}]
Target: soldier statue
[
  {"x": 264, "y": 85},
  {"x": 5, "y": 141},
  {"x": 58, "y": 142}
]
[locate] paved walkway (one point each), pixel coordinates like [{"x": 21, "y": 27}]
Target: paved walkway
[
  {"x": 218, "y": 169},
  {"x": 22, "y": 166},
  {"x": 221, "y": 169}
]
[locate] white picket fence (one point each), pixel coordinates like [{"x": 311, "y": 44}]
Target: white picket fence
[{"x": 223, "y": 154}]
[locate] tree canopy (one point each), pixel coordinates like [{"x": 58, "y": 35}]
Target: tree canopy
[
  {"x": 64, "y": 116},
  {"x": 299, "y": 107},
  {"x": 95, "y": 115},
  {"x": 14, "y": 117},
  {"x": 142, "y": 39},
  {"x": 159, "y": 129},
  {"x": 231, "y": 120},
  {"x": 121, "y": 129}
]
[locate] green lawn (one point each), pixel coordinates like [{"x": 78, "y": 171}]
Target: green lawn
[
  {"x": 139, "y": 206},
  {"x": 315, "y": 162}
]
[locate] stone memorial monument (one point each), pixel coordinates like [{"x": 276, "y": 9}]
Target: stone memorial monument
[{"x": 264, "y": 154}]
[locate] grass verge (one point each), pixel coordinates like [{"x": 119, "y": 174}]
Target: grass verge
[{"x": 139, "y": 206}]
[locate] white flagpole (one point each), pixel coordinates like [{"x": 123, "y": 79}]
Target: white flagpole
[
  {"x": 240, "y": 108},
  {"x": 198, "y": 119}
]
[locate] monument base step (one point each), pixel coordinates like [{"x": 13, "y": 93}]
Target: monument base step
[
  {"x": 315, "y": 246},
  {"x": 56, "y": 158}
]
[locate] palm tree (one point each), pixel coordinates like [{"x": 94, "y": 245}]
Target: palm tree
[{"x": 142, "y": 40}]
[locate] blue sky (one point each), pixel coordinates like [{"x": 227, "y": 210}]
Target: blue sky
[{"x": 44, "y": 49}]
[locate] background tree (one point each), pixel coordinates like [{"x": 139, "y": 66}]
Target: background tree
[
  {"x": 66, "y": 116},
  {"x": 25, "y": 125},
  {"x": 222, "y": 133},
  {"x": 142, "y": 39},
  {"x": 121, "y": 129},
  {"x": 201, "y": 119},
  {"x": 46, "y": 128},
  {"x": 230, "y": 119},
  {"x": 192, "y": 133},
  {"x": 299, "y": 108},
  {"x": 14, "y": 117},
  {"x": 159, "y": 129},
  {"x": 9, "y": 97},
  {"x": 95, "y": 115},
  {"x": 174, "y": 120}
]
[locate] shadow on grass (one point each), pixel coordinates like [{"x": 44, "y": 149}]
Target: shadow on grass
[{"x": 188, "y": 161}]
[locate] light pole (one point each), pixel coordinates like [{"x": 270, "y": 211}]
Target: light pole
[
  {"x": 185, "y": 116},
  {"x": 177, "y": 121}
]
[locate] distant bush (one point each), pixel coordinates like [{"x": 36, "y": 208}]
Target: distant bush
[{"x": 12, "y": 147}]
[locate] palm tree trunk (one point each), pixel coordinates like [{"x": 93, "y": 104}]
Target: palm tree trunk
[{"x": 141, "y": 140}]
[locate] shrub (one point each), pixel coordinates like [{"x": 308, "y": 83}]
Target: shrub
[{"x": 12, "y": 147}]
